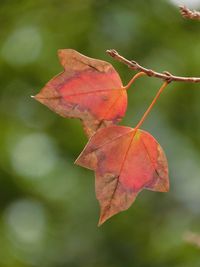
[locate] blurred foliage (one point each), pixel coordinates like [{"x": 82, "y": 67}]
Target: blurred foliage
[{"x": 48, "y": 210}]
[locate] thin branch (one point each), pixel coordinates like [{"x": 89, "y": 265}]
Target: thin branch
[
  {"x": 166, "y": 76},
  {"x": 189, "y": 14}
]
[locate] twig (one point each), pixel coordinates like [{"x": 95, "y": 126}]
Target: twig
[
  {"x": 167, "y": 76},
  {"x": 189, "y": 14}
]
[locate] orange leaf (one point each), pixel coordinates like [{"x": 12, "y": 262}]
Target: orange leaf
[
  {"x": 88, "y": 89},
  {"x": 125, "y": 160}
]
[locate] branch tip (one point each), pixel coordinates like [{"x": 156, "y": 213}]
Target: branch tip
[{"x": 189, "y": 14}]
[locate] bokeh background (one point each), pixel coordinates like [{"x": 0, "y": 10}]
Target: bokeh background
[{"x": 48, "y": 210}]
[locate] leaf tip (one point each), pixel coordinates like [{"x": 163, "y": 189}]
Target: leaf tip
[
  {"x": 162, "y": 185},
  {"x": 76, "y": 162},
  {"x": 59, "y": 52},
  {"x": 99, "y": 224},
  {"x": 101, "y": 220},
  {"x": 38, "y": 97},
  {"x": 35, "y": 97},
  {"x": 87, "y": 160},
  {"x": 81, "y": 161},
  {"x": 64, "y": 53},
  {"x": 166, "y": 186},
  {"x": 104, "y": 215}
]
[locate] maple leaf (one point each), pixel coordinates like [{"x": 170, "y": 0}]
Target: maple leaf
[
  {"x": 88, "y": 89},
  {"x": 126, "y": 160}
]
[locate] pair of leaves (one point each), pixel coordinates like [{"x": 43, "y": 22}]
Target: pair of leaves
[{"x": 125, "y": 160}]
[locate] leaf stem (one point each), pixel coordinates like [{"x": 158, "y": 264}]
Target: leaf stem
[
  {"x": 164, "y": 85},
  {"x": 139, "y": 74}
]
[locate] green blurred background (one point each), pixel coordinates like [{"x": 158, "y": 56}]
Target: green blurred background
[{"x": 48, "y": 210}]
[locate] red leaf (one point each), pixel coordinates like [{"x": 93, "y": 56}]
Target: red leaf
[
  {"x": 88, "y": 89},
  {"x": 126, "y": 160}
]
